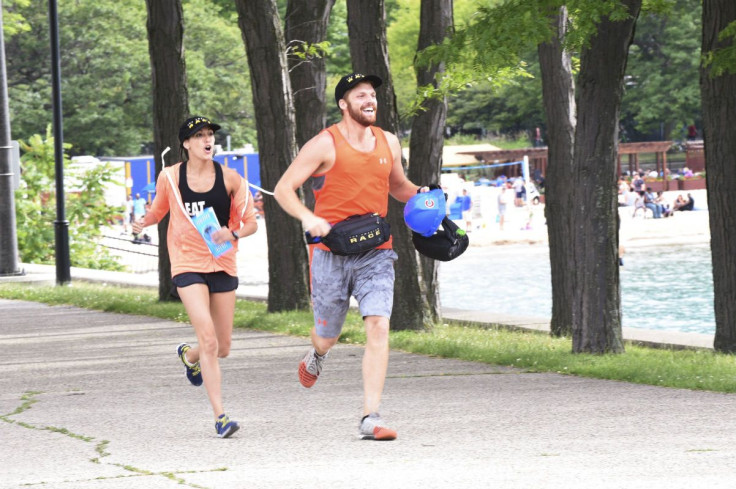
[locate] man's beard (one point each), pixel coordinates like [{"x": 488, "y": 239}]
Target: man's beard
[{"x": 360, "y": 117}]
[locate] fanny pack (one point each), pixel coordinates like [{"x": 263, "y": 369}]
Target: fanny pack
[{"x": 355, "y": 234}]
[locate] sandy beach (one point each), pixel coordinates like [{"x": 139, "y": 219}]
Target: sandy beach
[{"x": 682, "y": 227}]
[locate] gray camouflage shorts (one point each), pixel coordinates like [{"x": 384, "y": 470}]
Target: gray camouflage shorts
[{"x": 369, "y": 277}]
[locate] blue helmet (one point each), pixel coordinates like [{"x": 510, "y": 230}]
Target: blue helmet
[{"x": 424, "y": 212}]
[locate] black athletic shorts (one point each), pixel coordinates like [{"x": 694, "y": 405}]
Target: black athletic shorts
[{"x": 215, "y": 281}]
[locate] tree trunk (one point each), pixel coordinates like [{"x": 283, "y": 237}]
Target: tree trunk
[
  {"x": 558, "y": 89},
  {"x": 719, "y": 134},
  {"x": 306, "y": 21},
  {"x": 596, "y": 312},
  {"x": 170, "y": 104},
  {"x": 427, "y": 134},
  {"x": 367, "y": 32},
  {"x": 288, "y": 272}
]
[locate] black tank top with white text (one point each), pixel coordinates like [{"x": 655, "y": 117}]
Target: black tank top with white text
[{"x": 216, "y": 197}]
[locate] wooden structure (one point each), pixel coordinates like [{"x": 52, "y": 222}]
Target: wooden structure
[
  {"x": 538, "y": 158},
  {"x": 461, "y": 155},
  {"x": 695, "y": 155},
  {"x": 633, "y": 150}
]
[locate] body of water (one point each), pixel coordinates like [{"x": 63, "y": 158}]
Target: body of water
[{"x": 664, "y": 287}]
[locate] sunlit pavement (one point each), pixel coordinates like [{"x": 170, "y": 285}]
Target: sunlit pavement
[{"x": 99, "y": 400}]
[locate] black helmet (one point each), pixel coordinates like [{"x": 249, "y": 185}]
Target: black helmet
[{"x": 446, "y": 244}]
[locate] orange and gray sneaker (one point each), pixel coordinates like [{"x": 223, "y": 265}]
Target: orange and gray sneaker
[
  {"x": 310, "y": 367},
  {"x": 372, "y": 427}
]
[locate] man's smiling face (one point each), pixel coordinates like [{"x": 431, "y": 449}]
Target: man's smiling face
[{"x": 361, "y": 103}]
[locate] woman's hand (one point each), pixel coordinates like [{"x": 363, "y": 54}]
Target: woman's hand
[
  {"x": 222, "y": 235},
  {"x": 138, "y": 226}
]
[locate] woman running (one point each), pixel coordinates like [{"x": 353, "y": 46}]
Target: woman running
[{"x": 206, "y": 284}]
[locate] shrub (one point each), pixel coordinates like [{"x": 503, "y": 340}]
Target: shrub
[{"x": 86, "y": 210}]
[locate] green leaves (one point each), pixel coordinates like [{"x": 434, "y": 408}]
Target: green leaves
[
  {"x": 305, "y": 51},
  {"x": 722, "y": 61},
  {"x": 218, "y": 76},
  {"x": 662, "y": 92},
  {"x": 13, "y": 20},
  {"x": 85, "y": 207},
  {"x": 106, "y": 73}
]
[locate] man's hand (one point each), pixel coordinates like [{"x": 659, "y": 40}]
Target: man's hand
[{"x": 316, "y": 226}]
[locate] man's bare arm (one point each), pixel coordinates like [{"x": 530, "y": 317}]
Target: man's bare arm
[
  {"x": 400, "y": 187},
  {"x": 315, "y": 157}
]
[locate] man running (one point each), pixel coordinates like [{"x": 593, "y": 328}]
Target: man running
[{"x": 355, "y": 166}]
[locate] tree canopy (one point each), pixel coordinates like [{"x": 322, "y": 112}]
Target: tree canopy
[
  {"x": 106, "y": 73},
  {"x": 107, "y": 80}
]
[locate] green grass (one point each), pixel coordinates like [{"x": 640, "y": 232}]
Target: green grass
[{"x": 529, "y": 351}]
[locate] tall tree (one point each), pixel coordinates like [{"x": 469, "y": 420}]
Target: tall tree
[
  {"x": 718, "y": 88},
  {"x": 604, "y": 30},
  {"x": 306, "y": 26},
  {"x": 662, "y": 95},
  {"x": 558, "y": 87},
  {"x": 170, "y": 103},
  {"x": 217, "y": 71},
  {"x": 106, "y": 74},
  {"x": 367, "y": 31},
  {"x": 596, "y": 310},
  {"x": 105, "y": 78},
  {"x": 260, "y": 26},
  {"x": 427, "y": 132}
]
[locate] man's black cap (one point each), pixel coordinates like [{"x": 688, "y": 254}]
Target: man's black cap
[
  {"x": 194, "y": 124},
  {"x": 349, "y": 81}
]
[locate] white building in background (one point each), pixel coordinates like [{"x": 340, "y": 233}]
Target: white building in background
[{"x": 115, "y": 191}]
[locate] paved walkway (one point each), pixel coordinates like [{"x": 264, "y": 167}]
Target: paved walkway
[{"x": 99, "y": 400}]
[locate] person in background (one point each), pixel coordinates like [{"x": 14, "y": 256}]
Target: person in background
[
  {"x": 631, "y": 198},
  {"x": 688, "y": 204},
  {"x": 258, "y": 201},
  {"x": 638, "y": 183},
  {"x": 538, "y": 142},
  {"x": 127, "y": 214},
  {"x": 660, "y": 200},
  {"x": 466, "y": 204},
  {"x": 206, "y": 284},
  {"x": 692, "y": 132},
  {"x": 518, "y": 191},
  {"x": 639, "y": 204},
  {"x": 649, "y": 203},
  {"x": 623, "y": 192},
  {"x": 503, "y": 200},
  {"x": 139, "y": 207}
]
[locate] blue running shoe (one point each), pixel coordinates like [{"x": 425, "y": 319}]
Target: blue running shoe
[
  {"x": 225, "y": 427},
  {"x": 194, "y": 372}
]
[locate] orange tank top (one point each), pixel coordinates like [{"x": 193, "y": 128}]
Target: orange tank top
[{"x": 356, "y": 184}]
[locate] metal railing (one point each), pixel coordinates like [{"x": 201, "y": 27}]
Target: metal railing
[{"x": 137, "y": 254}]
